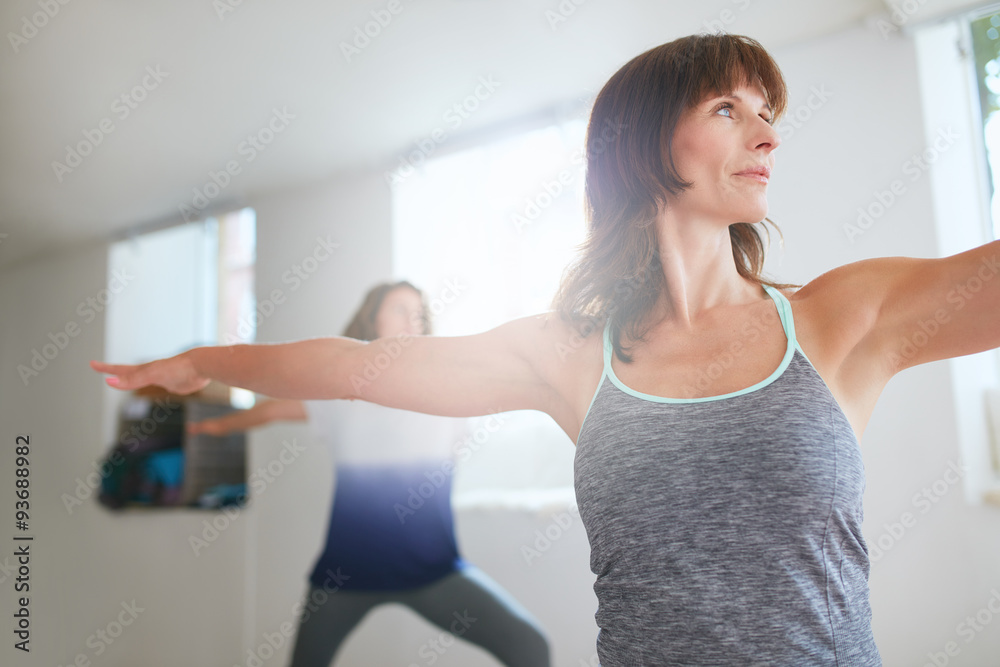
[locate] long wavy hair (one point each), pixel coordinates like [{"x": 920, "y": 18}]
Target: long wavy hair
[
  {"x": 617, "y": 277},
  {"x": 362, "y": 325}
]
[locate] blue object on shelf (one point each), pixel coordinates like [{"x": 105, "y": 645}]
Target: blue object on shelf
[{"x": 223, "y": 495}]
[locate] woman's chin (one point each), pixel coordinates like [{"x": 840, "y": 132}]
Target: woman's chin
[
  {"x": 751, "y": 215},
  {"x": 755, "y": 213}
]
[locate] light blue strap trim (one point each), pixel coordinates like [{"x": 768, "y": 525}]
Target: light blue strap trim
[
  {"x": 607, "y": 367},
  {"x": 790, "y": 332},
  {"x": 607, "y": 345},
  {"x": 787, "y": 324},
  {"x": 784, "y": 312}
]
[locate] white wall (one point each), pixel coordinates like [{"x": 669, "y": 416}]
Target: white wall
[{"x": 86, "y": 561}]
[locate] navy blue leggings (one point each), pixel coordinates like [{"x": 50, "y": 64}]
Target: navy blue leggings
[{"x": 467, "y": 604}]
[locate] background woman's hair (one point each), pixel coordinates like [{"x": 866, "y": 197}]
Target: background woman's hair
[
  {"x": 362, "y": 325},
  {"x": 630, "y": 172}
]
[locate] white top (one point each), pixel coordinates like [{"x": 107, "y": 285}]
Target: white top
[{"x": 363, "y": 433}]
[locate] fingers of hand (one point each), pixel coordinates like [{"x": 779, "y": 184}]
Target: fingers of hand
[
  {"x": 116, "y": 371},
  {"x": 113, "y": 369}
]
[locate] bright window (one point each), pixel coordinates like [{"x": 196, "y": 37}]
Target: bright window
[
  {"x": 487, "y": 233},
  {"x": 985, "y": 32},
  {"x": 953, "y": 59},
  {"x": 186, "y": 285}
]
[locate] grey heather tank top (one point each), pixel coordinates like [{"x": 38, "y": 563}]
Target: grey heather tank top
[{"x": 726, "y": 530}]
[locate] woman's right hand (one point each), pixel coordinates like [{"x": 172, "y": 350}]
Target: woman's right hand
[{"x": 175, "y": 374}]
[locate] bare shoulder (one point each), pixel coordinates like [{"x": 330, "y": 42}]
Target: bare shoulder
[
  {"x": 838, "y": 308},
  {"x": 561, "y": 351},
  {"x": 855, "y": 280},
  {"x": 549, "y": 334},
  {"x": 835, "y": 315},
  {"x": 569, "y": 358}
]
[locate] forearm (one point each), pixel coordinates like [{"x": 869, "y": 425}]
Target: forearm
[{"x": 318, "y": 368}]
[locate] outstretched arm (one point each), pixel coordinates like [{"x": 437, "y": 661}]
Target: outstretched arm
[
  {"x": 510, "y": 367},
  {"x": 898, "y": 312},
  {"x": 940, "y": 308},
  {"x": 264, "y": 412}
]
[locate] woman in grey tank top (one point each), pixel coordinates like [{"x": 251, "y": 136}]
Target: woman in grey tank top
[{"x": 716, "y": 413}]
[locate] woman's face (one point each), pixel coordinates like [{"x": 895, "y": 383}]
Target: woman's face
[
  {"x": 400, "y": 313},
  {"x": 715, "y": 143}
]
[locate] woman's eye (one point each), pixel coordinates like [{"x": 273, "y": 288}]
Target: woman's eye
[{"x": 726, "y": 107}]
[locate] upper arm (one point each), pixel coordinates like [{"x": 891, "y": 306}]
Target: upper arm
[
  {"x": 505, "y": 368},
  {"x": 904, "y": 311},
  {"x": 941, "y": 308}
]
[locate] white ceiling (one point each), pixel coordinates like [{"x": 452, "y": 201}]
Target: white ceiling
[{"x": 226, "y": 73}]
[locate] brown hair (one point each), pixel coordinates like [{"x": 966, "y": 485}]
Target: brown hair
[
  {"x": 362, "y": 325},
  {"x": 630, "y": 171}
]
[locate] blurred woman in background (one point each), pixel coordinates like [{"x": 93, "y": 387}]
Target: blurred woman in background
[{"x": 391, "y": 535}]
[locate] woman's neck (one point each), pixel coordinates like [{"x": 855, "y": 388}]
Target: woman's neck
[{"x": 699, "y": 272}]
